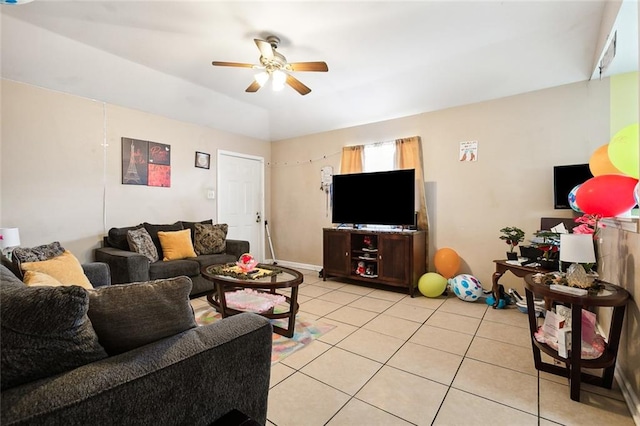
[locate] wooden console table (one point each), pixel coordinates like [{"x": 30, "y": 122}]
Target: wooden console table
[
  {"x": 503, "y": 266},
  {"x": 612, "y": 296}
]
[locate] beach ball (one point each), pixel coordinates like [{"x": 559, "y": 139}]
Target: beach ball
[
  {"x": 623, "y": 150},
  {"x": 447, "y": 262},
  {"x": 432, "y": 284},
  {"x": 636, "y": 193},
  {"x": 607, "y": 195},
  {"x": 572, "y": 199},
  {"x": 466, "y": 287}
]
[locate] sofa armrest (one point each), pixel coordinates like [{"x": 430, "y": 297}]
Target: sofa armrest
[
  {"x": 192, "y": 378},
  {"x": 98, "y": 273},
  {"x": 125, "y": 266},
  {"x": 237, "y": 247}
]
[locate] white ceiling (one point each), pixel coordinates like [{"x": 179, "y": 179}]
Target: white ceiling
[{"x": 386, "y": 59}]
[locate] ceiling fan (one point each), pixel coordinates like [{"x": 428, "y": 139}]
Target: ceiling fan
[{"x": 275, "y": 67}]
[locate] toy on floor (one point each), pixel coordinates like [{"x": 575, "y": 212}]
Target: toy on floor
[
  {"x": 502, "y": 302},
  {"x": 466, "y": 287},
  {"x": 432, "y": 284}
]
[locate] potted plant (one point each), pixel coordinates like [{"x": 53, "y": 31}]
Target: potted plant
[
  {"x": 549, "y": 243},
  {"x": 512, "y": 236}
]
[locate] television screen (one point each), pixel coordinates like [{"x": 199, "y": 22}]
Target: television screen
[
  {"x": 379, "y": 198},
  {"x": 565, "y": 178}
]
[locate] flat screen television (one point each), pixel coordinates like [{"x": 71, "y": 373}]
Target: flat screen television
[
  {"x": 378, "y": 198},
  {"x": 565, "y": 178}
]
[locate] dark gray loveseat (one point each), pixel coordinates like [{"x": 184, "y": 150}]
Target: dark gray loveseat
[
  {"x": 190, "y": 378},
  {"x": 128, "y": 266}
]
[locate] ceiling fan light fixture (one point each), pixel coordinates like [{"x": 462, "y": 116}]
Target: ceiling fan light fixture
[
  {"x": 261, "y": 78},
  {"x": 278, "y": 79}
]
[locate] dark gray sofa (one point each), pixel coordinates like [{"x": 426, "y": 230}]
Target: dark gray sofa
[
  {"x": 190, "y": 378},
  {"x": 98, "y": 273},
  {"x": 128, "y": 266}
]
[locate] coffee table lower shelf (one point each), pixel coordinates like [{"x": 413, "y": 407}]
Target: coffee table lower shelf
[{"x": 290, "y": 314}]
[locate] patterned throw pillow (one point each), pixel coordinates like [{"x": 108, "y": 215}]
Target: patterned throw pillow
[
  {"x": 35, "y": 254},
  {"x": 211, "y": 239},
  {"x": 140, "y": 241}
]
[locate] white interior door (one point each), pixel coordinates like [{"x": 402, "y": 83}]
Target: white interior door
[{"x": 241, "y": 198}]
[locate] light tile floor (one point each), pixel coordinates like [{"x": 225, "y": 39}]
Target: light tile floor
[{"x": 397, "y": 360}]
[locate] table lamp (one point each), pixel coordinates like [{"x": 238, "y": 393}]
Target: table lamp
[
  {"x": 577, "y": 249},
  {"x": 9, "y": 238}
]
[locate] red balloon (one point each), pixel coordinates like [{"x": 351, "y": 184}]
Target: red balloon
[{"x": 607, "y": 195}]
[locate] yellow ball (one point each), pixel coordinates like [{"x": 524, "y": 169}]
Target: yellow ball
[{"x": 432, "y": 284}]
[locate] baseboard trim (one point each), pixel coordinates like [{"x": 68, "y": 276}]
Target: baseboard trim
[
  {"x": 629, "y": 395},
  {"x": 295, "y": 265}
]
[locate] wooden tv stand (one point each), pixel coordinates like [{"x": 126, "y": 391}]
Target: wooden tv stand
[{"x": 395, "y": 258}]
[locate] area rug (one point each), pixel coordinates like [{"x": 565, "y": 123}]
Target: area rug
[{"x": 306, "y": 331}]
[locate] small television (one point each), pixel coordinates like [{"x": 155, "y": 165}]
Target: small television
[
  {"x": 565, "y": 178},
  {"x": 376, "y": 198}
]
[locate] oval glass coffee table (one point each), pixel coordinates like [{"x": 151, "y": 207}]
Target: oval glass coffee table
[{"x": 265, "y": 284}]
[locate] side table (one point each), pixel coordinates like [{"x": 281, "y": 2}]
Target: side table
[
  {"x": 611, "y": 296},
  {"x": 519, "y": 271}
]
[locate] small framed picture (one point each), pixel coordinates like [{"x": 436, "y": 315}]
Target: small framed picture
[{"x": 203, "y": 160}]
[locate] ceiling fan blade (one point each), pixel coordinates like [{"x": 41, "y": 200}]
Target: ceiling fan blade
[
  {"x": 297, "y": 85},
  {"x": 308, "y": 66},
  {"x": 253, "y": 87},
  {"x": 231, "y": 64},
  {"x": 265, "y": 48}
]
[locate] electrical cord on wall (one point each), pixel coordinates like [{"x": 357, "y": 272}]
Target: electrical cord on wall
[{"x": 105, "y": 145}]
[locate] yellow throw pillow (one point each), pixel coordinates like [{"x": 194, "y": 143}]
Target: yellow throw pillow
[
  {"x": 65, "y": 268},
  {"x": 176, "y": 244},
  {"x": 40, "y": 278}
]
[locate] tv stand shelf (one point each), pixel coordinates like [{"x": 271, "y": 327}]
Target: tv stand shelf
[{"x": 395, "y": 258}]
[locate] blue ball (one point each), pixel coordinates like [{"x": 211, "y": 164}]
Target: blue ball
[
  {"x": 466, "y": 287},
  {"x": 572, "y": 199}
]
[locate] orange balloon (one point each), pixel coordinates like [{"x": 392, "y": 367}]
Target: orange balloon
[
  {"x": 599, "y": 163},
  {"x": 447, "y": 262}
]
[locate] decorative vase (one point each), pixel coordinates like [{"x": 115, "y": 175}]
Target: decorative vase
[{"x": 246, "y": 262}]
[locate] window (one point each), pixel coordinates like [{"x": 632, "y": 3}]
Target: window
[{"x": 379, "y": 157}]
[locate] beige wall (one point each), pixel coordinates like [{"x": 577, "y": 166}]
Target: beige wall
[
  {"x": 520, "y": 139},
  {"x": 59, "y": 182}
]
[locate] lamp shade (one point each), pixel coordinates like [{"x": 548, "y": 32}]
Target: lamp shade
[
  {"x": 577, "y": 248},
  {"x": 9, "y": 237}
]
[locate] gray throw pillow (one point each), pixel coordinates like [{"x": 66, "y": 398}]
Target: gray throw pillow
[
  {"x": 45, "y": 331},
  {"x": 210, "y": 239},
  {"x": 35, "y": 254},
  {"x": 140, "y": 242},
  {"x": 127, "y": 316},
  {"x": 117, "y": 237}
]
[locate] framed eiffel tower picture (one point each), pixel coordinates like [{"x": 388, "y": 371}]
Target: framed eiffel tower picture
[
  {"x": 146, "y": 163},
  {"x": 135, "y": 161}
]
